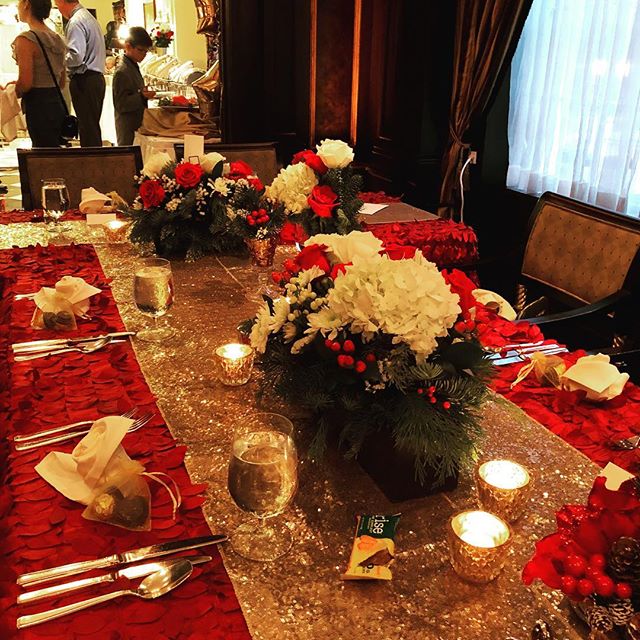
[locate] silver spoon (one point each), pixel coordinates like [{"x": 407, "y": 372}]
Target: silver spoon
[
  {"x": 172, "y": 575},
  {"x": 85, "y": 348}
]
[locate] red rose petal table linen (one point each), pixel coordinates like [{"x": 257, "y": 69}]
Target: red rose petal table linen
[{"x": 39, "y": 527}]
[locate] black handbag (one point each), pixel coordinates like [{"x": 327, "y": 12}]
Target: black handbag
[{"x": 70, "y": 122}]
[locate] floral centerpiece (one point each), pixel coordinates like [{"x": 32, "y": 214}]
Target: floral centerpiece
[
  {"x": 374, "y": 344},
  {"x": 320, "y": 190},
  {"x": 189, "y": 209},
  {"x": 594, "y": 559},
  {"x": 162, "y": 36}
]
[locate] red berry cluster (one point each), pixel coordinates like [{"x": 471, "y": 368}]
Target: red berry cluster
[
  {"x": 585, "y": 578},
  {"x": 346, "y": 355},
  {"x": 430, "y": 394},
  {"x": 464, "y": 326},
  {"x": 258, "y": 217}
]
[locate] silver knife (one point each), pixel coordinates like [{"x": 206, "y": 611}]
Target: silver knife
[
  {"x": 45, "y": 345},
  {"x": 136, "y": 571},
  {"x": 500, "y": 355},
  {"x": 526, "y": 357},
  {"x": 128, "y": 557}
]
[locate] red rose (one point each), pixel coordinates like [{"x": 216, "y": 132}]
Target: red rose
[
  {"x": 312, "y": 160},
  {"x": 188, "y": 175},
  {"x": 313, "y": 255},
  {"x": 400, "y": 252},
  {"x": 239, "y": 169},
  {"x": 256, "y": 183},
  {"x": 322, "y": 201},
  {"x": 292, "y": 233},
  {"x": 152, "y": 193}
]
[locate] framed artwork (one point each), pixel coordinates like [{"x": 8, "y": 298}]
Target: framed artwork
[{"x": 149, "y": 14}]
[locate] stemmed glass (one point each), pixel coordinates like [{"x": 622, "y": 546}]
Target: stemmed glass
[
  {"x": 55, "y": 200},
  {"x": 263, "y": 478},
  {"x": 153, "y": 295}
]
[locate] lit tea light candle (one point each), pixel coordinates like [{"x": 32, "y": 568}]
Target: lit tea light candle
[
  {"x": 235, "y": 363},
  {"x": 478, "y": 545},
  {"x": 504, "y": 488},
  {"x": 115, "y": 230}
]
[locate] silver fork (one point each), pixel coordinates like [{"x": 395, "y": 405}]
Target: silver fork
[
  {"x": 625, "y": 444},
  {"x": 67, "y": 427},
  {"x": 85, "y": 348},
  {"x": 139, "y": 423}
]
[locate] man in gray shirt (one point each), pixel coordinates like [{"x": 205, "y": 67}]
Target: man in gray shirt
[{"x": 86, "y": 58}]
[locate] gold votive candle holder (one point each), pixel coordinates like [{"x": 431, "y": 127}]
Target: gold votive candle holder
[
  {"x": 479, "y": 544},
  {"x": 116, "y": 231},
  {"x": 235, "y": 363},
  {"x": 504, "y": 488}
]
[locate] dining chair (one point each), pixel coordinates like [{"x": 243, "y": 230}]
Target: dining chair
[
  {"x": 103, "y": 168},
  {"x": 260, "y": 155},
  {"x": 580, "y": 275}
]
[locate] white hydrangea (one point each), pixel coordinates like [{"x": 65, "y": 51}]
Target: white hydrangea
[
  {"x": 408, "y": 299},
  {"x": 292, "y": 187},
  {"x": 345, "y": 248},
  {"x": 155, "y": 164}
]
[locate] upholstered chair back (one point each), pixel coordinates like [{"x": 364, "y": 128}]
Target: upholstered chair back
[
  {"x": 103, "y": 168},
  {"x": 260, "y": 155},
  {"x": 583, "y": 252}
]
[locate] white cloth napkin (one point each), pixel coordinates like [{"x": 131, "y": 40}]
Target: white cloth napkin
[
  {"x": 92, "y": 201},
  {"x": 505, "y": 310},
  {"x": 596, "y": 376},
  {"x": 98, "y": 457}
]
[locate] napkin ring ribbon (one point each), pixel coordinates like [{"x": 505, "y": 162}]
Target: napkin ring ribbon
[{"x": 176, "y": 498}]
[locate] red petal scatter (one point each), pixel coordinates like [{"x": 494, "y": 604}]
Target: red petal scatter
[
  {"x": 40, "y": 528},
  {"x": 18, "y": 215}
]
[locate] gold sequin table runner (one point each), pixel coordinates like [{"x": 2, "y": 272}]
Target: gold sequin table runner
[{"x": 301, "y": 595}]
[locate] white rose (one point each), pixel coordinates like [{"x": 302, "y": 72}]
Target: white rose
[
  {"x": 345, "y": 248},
  {"x": 209, "y": 161},
  {"x": 155, "y": 164},
  {"x": 335, "y": 153}
]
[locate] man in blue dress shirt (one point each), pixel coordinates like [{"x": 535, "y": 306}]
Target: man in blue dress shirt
[{"x": 86, "y": 58}]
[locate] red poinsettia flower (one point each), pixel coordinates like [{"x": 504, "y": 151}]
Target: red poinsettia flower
[
  {"x": 152, "y": 193},
  {"x": 188, "y": 175},
  {"x": 460, "y": 284},
  {"x": 313, "y": 255},
  {"x": 312, "y": 160},
  {"x": 322, "y": 201},
  {"x": 239, "y": 169},
  {"x": 292, "y": 233},
  {"x": 399, "y": 252},
  {"x": 256, "y": 183}
]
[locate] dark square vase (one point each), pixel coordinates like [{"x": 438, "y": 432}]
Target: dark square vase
[{"x": 393, "y": 471}]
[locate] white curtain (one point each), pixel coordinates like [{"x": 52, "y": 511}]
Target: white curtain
[{"x": 574, "y": 116}]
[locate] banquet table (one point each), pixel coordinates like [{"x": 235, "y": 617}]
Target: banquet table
[{"x": 301, "y": 595}]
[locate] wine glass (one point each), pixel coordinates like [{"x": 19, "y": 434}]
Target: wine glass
[
  {"x": 262, "y": 480},
  {"x": 153, "y": 295},
  {"x": 55, "y": 200}
]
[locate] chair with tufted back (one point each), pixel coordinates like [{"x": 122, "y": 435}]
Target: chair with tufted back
[
  {"x": 260, "y": 155},
  {"x": 104, "y": 168},
  {"x": 580, "y": 270}
]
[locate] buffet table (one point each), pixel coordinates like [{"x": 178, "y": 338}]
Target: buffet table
[{"x": 301, "y": 595}]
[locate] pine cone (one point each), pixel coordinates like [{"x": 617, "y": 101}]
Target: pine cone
[
  {"x": 633, "y": 628},
  {"x": 599, "y": 619},
  {"x": 624, "y": 561},
  {"x": 620, "y": 611}
]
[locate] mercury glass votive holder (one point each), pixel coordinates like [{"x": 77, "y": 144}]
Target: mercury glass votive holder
[
  {"x": 235, "y": 363},
  {"x": 479, "y": 544},
  {"x": 504, "y": 488},
  {"x": 116, "y": 231}
]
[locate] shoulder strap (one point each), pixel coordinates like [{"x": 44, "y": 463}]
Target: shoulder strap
[{"x": 53, "y": 75}]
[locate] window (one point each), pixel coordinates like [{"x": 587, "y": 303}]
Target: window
[{"x": 574, "y": 113}]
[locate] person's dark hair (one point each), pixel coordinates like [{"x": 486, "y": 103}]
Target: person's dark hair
[
  {"x": 138, "y": 37},
  {"x": 40, "y": 9}
]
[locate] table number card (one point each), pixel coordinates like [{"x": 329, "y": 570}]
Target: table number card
[
  {"x": 193, "y": 148},
  {"x": 615, "y": 476}
]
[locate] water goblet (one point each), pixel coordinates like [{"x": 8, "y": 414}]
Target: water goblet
[
  {"x": 262, "y": 480},
  {"x": 153, "y": 295},
  {"x": 55, "y": 200}
]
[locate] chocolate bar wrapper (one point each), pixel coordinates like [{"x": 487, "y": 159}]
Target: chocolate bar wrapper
[{"x": 373, "y": 548}]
